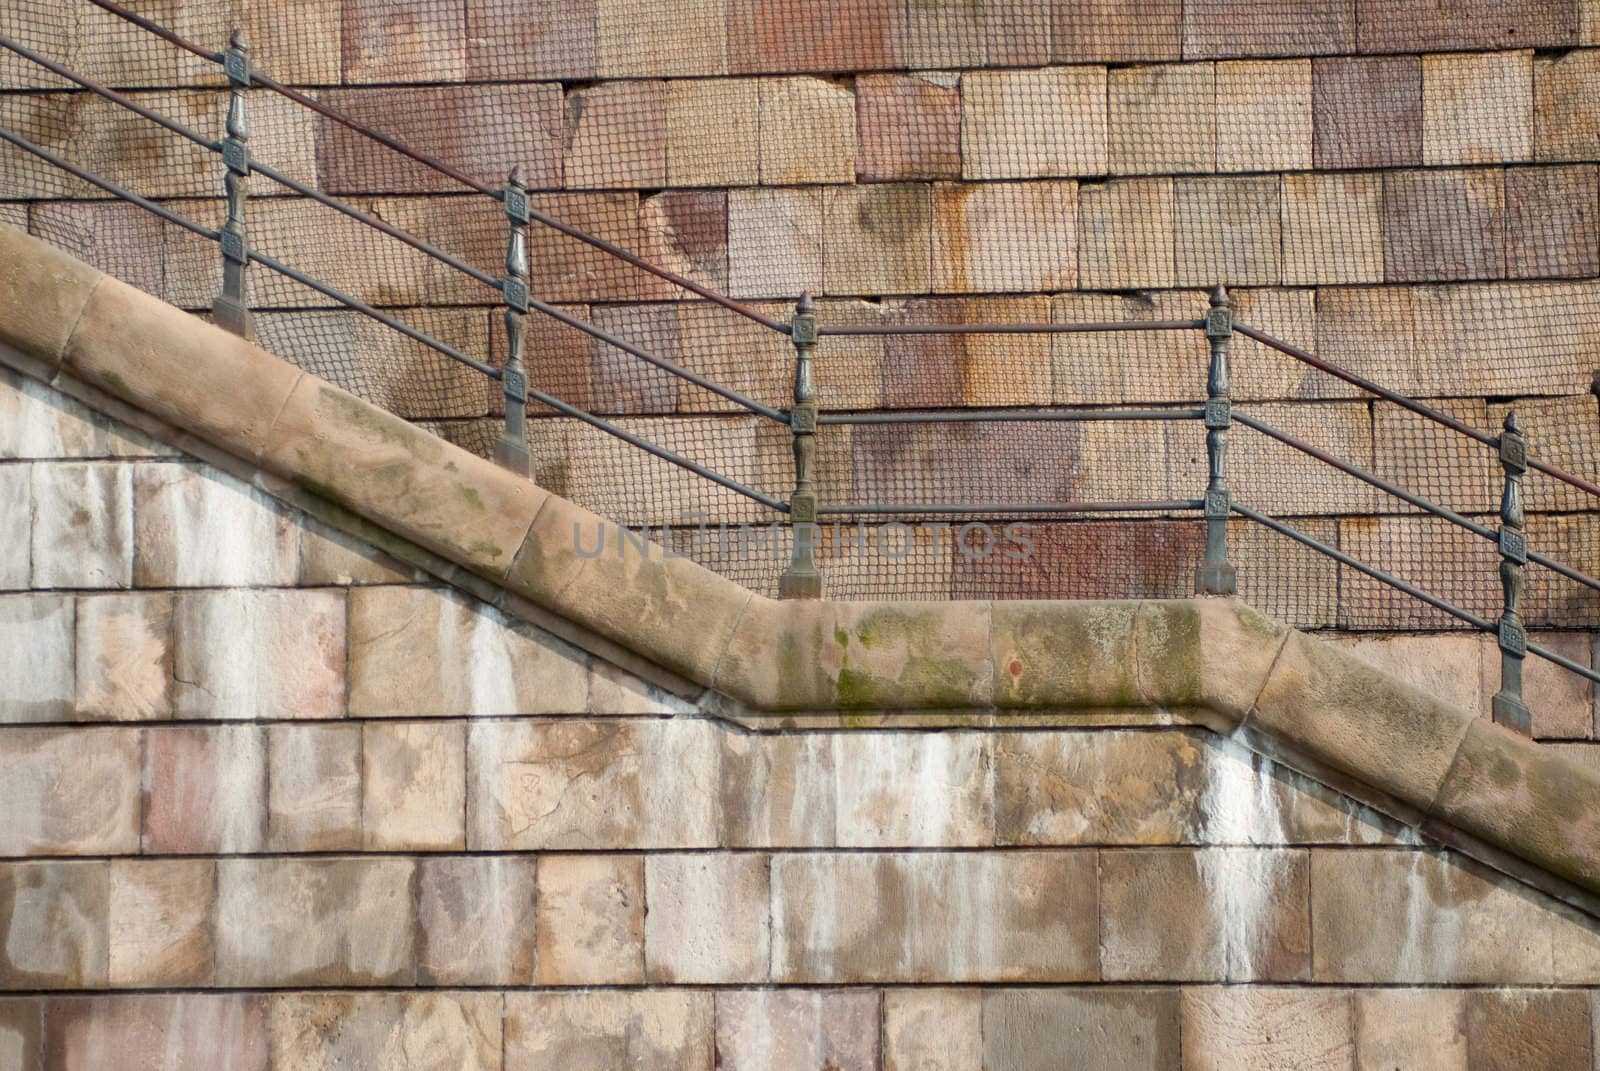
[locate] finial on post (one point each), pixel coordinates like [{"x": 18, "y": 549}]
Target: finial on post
[{"x": 1219, "y": 296}]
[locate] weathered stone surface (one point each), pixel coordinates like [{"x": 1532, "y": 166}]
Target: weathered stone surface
[
  {"x": 1448, "y": 666},
  {"x": 1561, "y": 701},
  {"x": 1033, "y": 123},
  {"x": 314, "y": 792},
  {"x": 1332, "y": 228},
  {"x": 1032, "y": 1030},
  {"x": 1256, "y": 1029},
  {"x": 1477, "y": 108},
  {"x": 1551, "y": 428},
  {"x": 1431, "y": 553},
  {"x": 295, "y": 647},
  {"x": 15, "y": 552},
  {"x": 1432, "y": 460},
  {"x": 1367, "y": 111},
  {"x": 1368, "y": 330},
  {"x": 475, "y": 921},
  {"x": 1416, "y": 1028},
  {"x": 774, "y": 242},
  {"x": 121, "y": 239},
  {"x": 555, "y": 39},
  {"x": 1273, "y": 476},
  {"x": 282, "y": 922},
  {"x": 1443, "y": 225},
  {"x": 38, "y": 630},
  {"x": 713, "y": 132},
  {"x": 311, "y": 1031},
  {"x": 1125, "y": 234},
  {"x": 778, "y": 791},
  {"x": 932, "y": 1030},
  {"x": 775, "y": 1029},
  {"x": 1227, "y": 228},
  {"x": 205, "y": 790},
  {"x": 157, "y": 1033},
  {"x": 1467, "y": 331},
  {"x": 21, "y": 1032},
  {"x": 1116, "y": 31},
  {"x": 413, "y": 786},
  {"x": 931, "y": 917},
  {"x": 1416, "y": 25},
  {"x": 1264, "y": 115},
  {"x": 1509, "y": 1029},
  {"x": 908, "y": 126},
  {"x": 1003, "y": 237},
  {"x": 1566, "y": 120},
  {"x": 160, "y": 912},
  {"x": 1163, "y": 119},
  {"x": 914, "y": 790},
  {"x": 685, "y": 232},
  {"x": 82, "y": 525},
  {"x": 196, "y": 527},
  {"x": 124, "y": 657},
  {"x": 1551, "y": 228},
  {"x": 679, "y": 38},
  {"x": 1231, "y": 28},
  {"x": 808, "y": 132},
  {"x": 69, "y": 792},
  {"x": 617, "y": 136},
  {"x": 591, "y": 918},
  {"x": 1589, "y": 20},
  {"x": 959, "y": 369},
  {"x": 876, "y": 239},
  {"x": 610, "y": 1028},
  {"x": 614, "y": 691},
  {"x": 55, "y": 919},
  {"x": 708, "y": 921},
  {"x": 425, "y": 45},
  {"x": 330, "y": 558},
  {"x": 49, "y": 301}
]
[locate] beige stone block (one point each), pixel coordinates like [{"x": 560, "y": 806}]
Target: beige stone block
[
  {"x": 933, "y": 917},
  {"x": 205, "y": 790},
  {"x": 315, "y": 922},
  {"x": 1005, "y": 237},
  {"x": 330, "y": 558},
  {"x": 15, "y": 490},
  {"x": 1033, "y": 123},
  {"x": 196, "y": 527},
  {"x": 714, "y": 132},
  {"x": 932, "y": 1030},
  {"x": 293, "y": 644},
  {"x": 591, "y": 919},
  {"x": 922, "y": 790},
  {"x": 680, "y": 38},
  {"x": 1561, "y": 701},
  {"x": 119, "y": 238},
  {"x": 1332, "y": 228},
  {"x": 1125, "y": 234},
  {"x": 1433, "y": 554},
  {"x": 21, "y": 1032},
  {"x": 778, "y": 790},
  {"x": 1254, "y": 1029},
  {"x": 475, "y": 921},
  {"x": 1551, "y": 227},
  {"x": 82, "y": 525},
  {"x": 610, "y": 1028},
  {"x": 69, "y": 791},
  {"x": 1420, "y": 1028},
  {"x": 555, "y": 40},
  {"x": 614, "y": 691},
  {"x": 708, "y": 921},
  {"x": 735, "y": 353},
  {"x": 1450, "y": 667},
  {"x": 297, "y": 44},
  {"x": 55, "y": 918},
  {"x": 1477, "y": 108},
  {"x": 424, "y": 45},
  {"x": 413, "y": 786},
  {"x": 876, "y": 239},
  {"x": 775, "y": 242},
  {"x": 1133, "y": 366},
  {"x": 124, "y": 657},
  {"x": 157, "y": 1032},
  {"x": 1566, "y": 119},
  {"x": 617, "y": 136},
  {"x": 1589, "y": 19},
  {"x": 1433, "y": 460},
  {"x": 160, "y": 912},
  {"x": 1264, "y": 115},
  {"x": 1468, "y": 330},
  {"x": 1557, "y": 431},
  {"x": 37, "y": 421},
  {"x": 1163, "y": 119},
  {"x": 1510, "y": 1028},
  {"x": 38, "y": 631},
  {"x": 1227, "y": 231},
  {"x": 1116, "y": 31},
  {"x": 322, "y": 1030},
  {"x": 314, "y": 788},
  {"x": 769, "y": 1030},
  {"x": 1030, "y": 1030},
  {"x": 1368, "y": 331},
  {"x": 908, "y": 127},
  {"x": 1277, "y": 479},
  {"x": 808, "y": 132}
]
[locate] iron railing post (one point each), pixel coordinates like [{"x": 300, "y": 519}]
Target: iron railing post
[
  {"x": 231, "y": 309},
  {"x": 1216, "y": 576},
  {"x": 1509, "y": 709},
  {"x": 802, "y": 580},
  {"x": 511, "y": 451}
]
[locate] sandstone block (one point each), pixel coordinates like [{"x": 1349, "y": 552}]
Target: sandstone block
[
  {"x": 1553, "y": 601},
  {"x": 1448, "y": 666},
  {"x": 51, "y": 303},
  {"x": 774, "y": 1029},
  {"x": 1227, "y": 229},
  {"x": 808, "y": 132},
  {"x": 564, "y": 269},
  {"x": 1551, "y": 228},
  {"x": 876, "y": 239},
  {"x": 908, "y": 126},
  {"x": 1033, "y": 123},
  {"x": 205, "y": 790},
  {"x": 69, "y": 791},
  {"x": 160, "y": 912},
  {"x": 314, "y": 800},
  {"x": 1368, "y": 330},
  {"x": 1434, "y": 461},
  {"x": 932, "y": 1030},
  {"x": 736, "y": 353},
  {"x": 1367, "y": 111},
  {"x": 1235, "y": 28},
  {"x": 124, "y": 657},
  {"x": 778, "y": 791},
  {"x": 610, "y": 1028},
  {"x": 475, "y": 921},
  {"x": 1264, "y": 115},
  {"x": 953, "y": 33},
  {"x": 157, "y": 1032},
  {"x": 1477, "y": 108},
  {"x": 1589, "y": 18},
  {"x": 297, "y": 46},
  {"x": 681, "y": 38},
  {"x": 1031, "y": 1030},
  {"x": 296, "y": 643},
  {"x": 714, "y": 132},
  {"x": 958, "y": 369},
  {"x": 1255, "y": 1029},
  {"x": 1562, "y": 702},
  {"x": 319, "y": 1030},
  {"x": 55, "y": 919},
  {"x": 1163, "y": 119},
  {"x": 914, "y": 790},
  {"x": 617, "y": 136},
  {"x": 282, "y": 922},
  {"x": 879, "y": 917},
  {"x": 121, "y": 239},
  {"x": 554, "y": 40},
  {"x": 1566, "y": 119},
  {"x": 1413, "y": 25},
  {"x": 415, "y": 669},
  {"x": 686, "y": 232},
  {"x": 1432, "y": 554},
  {"x": 1125, "y": 234},
  {"x": 413, "y": 786},
  {"x": 1443, "y": 225},
  {"x": 1509, "y": 1028},
  {"x": 38, "y": 630},
  {"x": 15, "y": 489},
  {"x": 21, "y": 1032},
  {"x": 614, "y": 691},
  {"x": 774, "y": 242},
  {"x": 708, "y": 921},
  {"x": 196, "y": 527},
  {"x": 619, "y": 381},
  {"x": 330, "y": 558},
  {"x": 814, "y": 35},
  {"x": 1421, "y": 1028},
  {"x": 591, "y": 912},
  {"x": 1332, "y": 228},
  {"x": 419, "y": 46},
  {"x": 1554, "y": 432},
  {"x": 1004, "y": 237},
  {"x": 1133, "y": 365},
  {"x": 82, "y": 525},
  {"x": 1457, "y": 328},
  {"x": 1117, "y": 31}
]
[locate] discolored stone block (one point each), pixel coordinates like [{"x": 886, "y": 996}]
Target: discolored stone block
[
  {"x": 120, "y": 239},
  {"x": 1443, "y": 225},
  {"x": 714, "y": 132},
  {"x": 908, "y": 126},
  {"x": 1367, "y": 111},
  {"x": 1264, "y": 115},
  {"x": 685, "y": 232},
  {"x": 1239, "y": 28},
  {"x": 15, "y": 552},
  {"x": 1029, "y": 1030},
  {"x": 21, "y": 1032},
  {"x": 1033, "y": 123},
  {"x": 1551, "y": 227},
  {"x": 777, "y": 791},
  {"x": 767, "y": 1030},
  {"x": 1257, "y": 1029},
  {"x": 1418, "y": 25},
  {"x": 1125, "y": 234},
  {"x": 681, "y": 38},
  {"x": 298, "y": 45},
  {"x": 591, "y": 919},
  {"x": 1227, "y": 231},
  {"x": 314, "y": 793},
  {"x": 932, "y": 1030},
  {"x": 1003, "y": 237},
  {"x": 82, "y": 525},
  {"x": 1556, "y": 432},
  {"x": 123, "y": 652},
  {"x": 1463, "y": 333},
  {"x": 413, "y": 786},
  {"x": 1162, "y": 119},
  {"x": 1421, "y": 1028},
  {"x": 965, "y": 369},
  {"x": 296, "y": 643},
  {"x": 69, "y": 791},
  {"x": 319, "y": 1030},
  {"x": 205, "y": 790},
  {"x": 1450, "y": 667},
  {"x": 38, "y": 630},
  {"x": 1509, "y": 1029},
  {"x": 610, "y": 1028},
  {"x": 780, "y": 36},
  {"x": 616, "y": 136},
  {"x": 876, "y": 239},
  {"x": 1332, "y": 228},
  {"x": 475, "y": 921},
  {"x": 330, "y": 558},
  {"x": 1116, "y": 31},
  {"x": 1566, "y": 122},
  {"x": 708, "y": 921},
  {"x": 54, "y": 916},
  {"x": 160, "y": 912},
  {"x": 157, "y": 1032},
  {"x": 196, "y": 527},
  {"x": 413, "y": 45},
  {"x": 37, "y": 421},
  {"x": 1434, "y": 555},
  {"x": 1477, "y": 108},
  {"x": 808, "y": 132},
  {"x": 914, "y": 790},
  {"x": 553, "y": 39},
  {"x": 775, "y": 242}
]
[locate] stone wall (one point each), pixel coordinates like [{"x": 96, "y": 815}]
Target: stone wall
[{"x": 276, "y": 800}]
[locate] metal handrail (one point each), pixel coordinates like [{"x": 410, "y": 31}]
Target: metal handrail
[{"x": 1009, "y": 328}]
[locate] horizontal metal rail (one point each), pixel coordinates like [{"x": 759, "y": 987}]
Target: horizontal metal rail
[
  {"x": 160, "y": 31},
  {"x": 1008, "y": 329},
  {"x": 1566, "y": 571},
  {"x": 1565, "y": 663},
  {"x": 1015, "y": 507},
  {"x": 966, "y": 416}
]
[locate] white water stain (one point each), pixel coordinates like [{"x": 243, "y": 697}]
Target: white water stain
[{"x": 1241, "y": 806}]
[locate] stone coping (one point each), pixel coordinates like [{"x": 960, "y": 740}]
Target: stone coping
[{"x": 1443, "y": 769}]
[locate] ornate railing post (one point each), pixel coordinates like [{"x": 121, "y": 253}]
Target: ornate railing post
[
  {"x": 802, "y": 581},
  {"x": 511, "y": 451},
  {"x": 1509, "y": 709},
  {"x": 1216, "y": 575},
  {"x": 231, "y": 309}
]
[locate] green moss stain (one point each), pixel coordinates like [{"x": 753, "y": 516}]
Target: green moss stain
[{"x": 115, "y": 382}]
